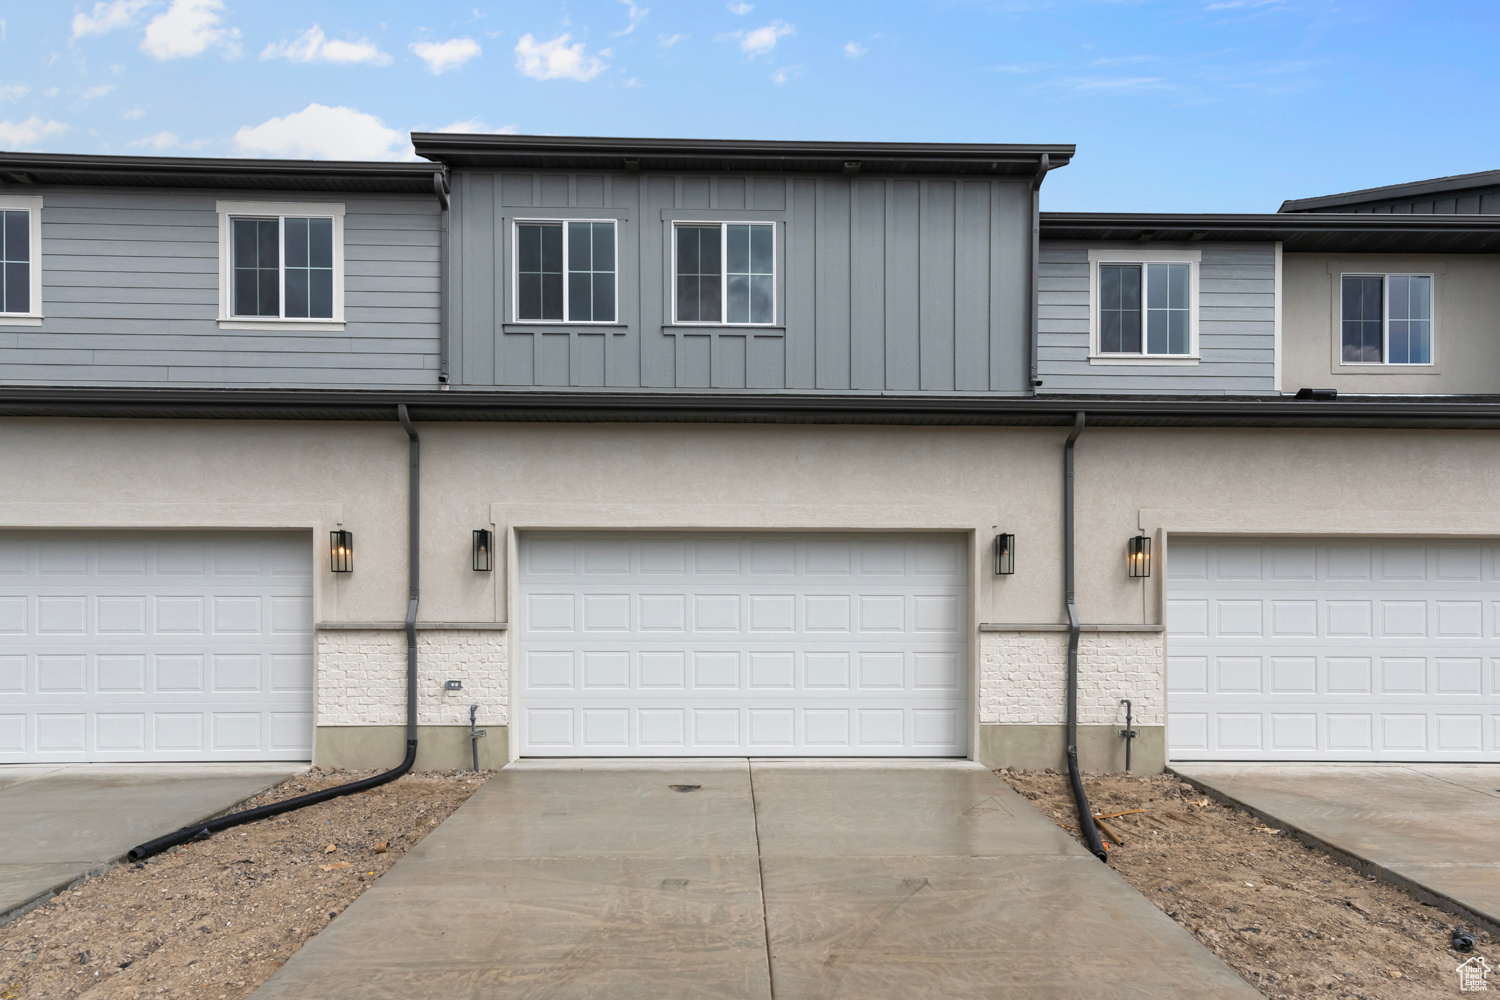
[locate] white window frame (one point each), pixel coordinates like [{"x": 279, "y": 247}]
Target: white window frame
[
  {"x": 515, "y": 272},
  {"x": 1192, "y": 258},
  {"x": 33, "y": 205},
  {"x": 279, "y": 210},
  {"x": 724, "y": 225},
  {"x": 1385, "y": 321}
]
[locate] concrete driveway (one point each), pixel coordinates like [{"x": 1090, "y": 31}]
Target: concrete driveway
[
  {"x": 59, "y": 823},
  {"x": 741, "y": 879},
  {"x": 1433, "y": 829}
]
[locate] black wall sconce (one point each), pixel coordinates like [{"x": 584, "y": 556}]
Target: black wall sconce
[
  {"x": 1138, "y": 558},
  {"x": 341, "y": 551},
  {"x": 484, "y": 550},
  {"x": 1005, "y": 555}
]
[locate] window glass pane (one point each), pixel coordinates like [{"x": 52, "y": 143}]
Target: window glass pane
[
  {"x": 309, "y": 265},
  {"x": 1409, "y": 326},
  {"x": 1421, "y": 342},
  {"x": 698, "y": 274},
  {"x": 1168, "y": 315},
  {"x": 539, "y": 271},
  {"x": 1362, "y": 319},
  {"x": 590, "y": 257},
  {"x": 1120, "y": 308},
  {"x": 749, "y": 265},
  {"x": 15, "y": 253},
  {"x": 1421, "y": 297},
  {"x": 257, "y": 267}
]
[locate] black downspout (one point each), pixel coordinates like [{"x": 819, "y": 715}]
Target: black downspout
[
  {"x": 202, "y": 831},
  {"x": 1080, "y": 799},
  {"x": 1043, "y": 165},
  {"x": 440, "y": 187}
]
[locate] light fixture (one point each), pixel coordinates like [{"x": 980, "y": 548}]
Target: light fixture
[
  {"x": 1005, "y": 555},
  {"x": 484, "y": 550},
  {"x": 1138, "y": 558},
  {"x": 341, "y": 551}
]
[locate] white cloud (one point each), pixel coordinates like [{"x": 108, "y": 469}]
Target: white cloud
[
  {"x": 189, "y": 28},
  {"x": 556, "y": 59},
  {"x": 134, "y": 113},
  {"x": 107, "y": 17},
  {"x": 161, "y": 140},
  {"x": 321, "y": 132},
  {"x": 761, "y": 40},
  {"x": 1110, "y": 84},
  {"x": 52, "y": 92},
  {"x": 100, "y": 91},
  {"x": 637, "y": 13},
  {"x": 784, "y": 74},
  {"x": 854, "y": 50},
  {"x": 15, "y": 135},
  {"x": 739, "y": 9},
  {"x": 313, "y": 46},
  {"x": 667, "y": 41},
  {"x": 440, "y": 57},
  {"x": 13, "y": 91},
  {"x": 476, "y": 127}
]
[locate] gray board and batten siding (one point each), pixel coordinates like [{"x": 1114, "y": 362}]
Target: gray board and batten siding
[
  {"x": 1236, "y": 325},
  {"x": 1478, "y": 201},
  {"x": 130, "y": 295},
  {"x": 884, "y": 283}
]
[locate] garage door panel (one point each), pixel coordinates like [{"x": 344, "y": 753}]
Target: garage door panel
[
  {"x": 157, "y": 646},
  {"x": 1367, "y": 651},
  {"x": 742, "y": 644}
]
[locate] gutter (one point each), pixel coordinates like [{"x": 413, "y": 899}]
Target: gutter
[{"x": 583, "y": 405}]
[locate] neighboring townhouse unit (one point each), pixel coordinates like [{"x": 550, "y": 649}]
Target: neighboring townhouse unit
[{"x": 733, "y": 448}]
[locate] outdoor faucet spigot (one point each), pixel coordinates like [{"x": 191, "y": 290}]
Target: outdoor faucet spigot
[{"x": 1128, "y": 732}]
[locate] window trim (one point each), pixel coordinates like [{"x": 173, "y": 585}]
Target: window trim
[
  {"x": 723, "y": 225},
  {"x": 1385, "y": 322},
  {"x": 516, "y": 222},
  {"x": 1192, "y": 258},
  {"x": 280, "y": 210},
  {"x": 33, "y": 205}
]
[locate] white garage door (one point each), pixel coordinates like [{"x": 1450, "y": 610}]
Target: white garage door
[
  {"x": 1332, "y": 650},
  {"x": 742, "y": 645},
  {"x": 136, "y": 646}
]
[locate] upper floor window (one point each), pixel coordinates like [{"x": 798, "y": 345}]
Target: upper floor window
[
  {"x": 725, "y": 273},
  {"x": 1387, "y": 319},
  {"x": 20, "y": 260},
  {"x": 1146, "y": 309},
  {"x": 281, "y": 263},
  {"x": 565, "y": 272}
]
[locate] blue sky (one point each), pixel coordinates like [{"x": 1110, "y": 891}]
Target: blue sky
[{"x": 1176, "y": 105}]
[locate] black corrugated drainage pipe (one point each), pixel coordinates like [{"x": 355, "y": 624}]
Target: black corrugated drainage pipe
[
  {"x": 204, "y": 830},
  {"x": 1080, "y": 799}
]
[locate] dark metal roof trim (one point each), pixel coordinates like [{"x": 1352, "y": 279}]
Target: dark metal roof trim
[
  {"x": 187, "y": 171},
  {"x": 1395, "y": 192},
  {"x": 1470, "y": 412},
  {"x": 1336, "y": 232},
  {"x": 608, "y": 153}
]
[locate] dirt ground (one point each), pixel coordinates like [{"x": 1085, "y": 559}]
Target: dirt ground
[
  {"x": 214, "y": 919},
  {"x": 1290, "y": 920}
]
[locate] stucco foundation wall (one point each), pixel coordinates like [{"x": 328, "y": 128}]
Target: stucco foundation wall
[
  {"x": 1023, "y": 676},
  {"x": 361, "y": 677}
]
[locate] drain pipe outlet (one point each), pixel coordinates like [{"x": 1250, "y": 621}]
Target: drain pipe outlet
[
  {"x": 204, "y": 830},
  {"x": 1080, "y": 799}
]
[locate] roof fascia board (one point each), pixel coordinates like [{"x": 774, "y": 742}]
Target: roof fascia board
[
  {"x": 16, "y": 168},
  {"x": 1395, "y": 192}
]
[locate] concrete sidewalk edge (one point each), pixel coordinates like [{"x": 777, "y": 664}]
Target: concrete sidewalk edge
[
  {"x": 1418, "y": 891},
  {"x": 93, "y": 872}
]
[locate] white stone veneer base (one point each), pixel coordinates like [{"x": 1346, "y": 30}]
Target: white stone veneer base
[
  {"x": 1023, "y": 675},
  {"x": 361, "y": 677}
]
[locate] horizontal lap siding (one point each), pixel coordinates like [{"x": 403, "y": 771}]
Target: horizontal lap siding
[
  {"x": 1236, "y": 327},
  {"x": 130, "y": 293},
  {"x": 886, "y": 284}
]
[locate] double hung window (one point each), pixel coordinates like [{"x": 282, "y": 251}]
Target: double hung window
[
  {"x": 20, "y": 260},
  {"x": 1145, "y": 309},
  {"x": 1387, "y": 319},
  {"x": 725, "y": 273},
  {"x": 284, "y": 263},
  {"x": 565, "y": 272}
]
